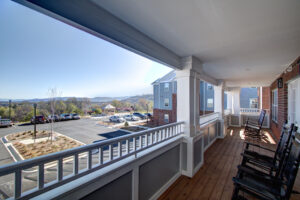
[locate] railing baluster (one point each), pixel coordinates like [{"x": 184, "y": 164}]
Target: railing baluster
[
  {"x": 41, "y": 176},
  {"x": 128, "y": 146},
  {"x": 76, "y": 164},
  {"x": 141, "y": 142},
  {"x": 60, "y": 169},
  {"x": 120, "y": 148},
  {"x": 100, "y": 156},
  {"x": 111, "y": 152},
  {"x": 152, "y": 138},
  {"x": 134, "y": 145},
  {"x": 90, "y": 159},
  {"x": 146, "y": 140},
  {"x": 160, "y": 135},
  {"x": 18, "y": 183}
]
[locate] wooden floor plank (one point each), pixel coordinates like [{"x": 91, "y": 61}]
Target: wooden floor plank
[{"x": 214, "y": 179}]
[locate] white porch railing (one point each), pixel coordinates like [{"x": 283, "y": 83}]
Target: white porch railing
[
  {"x": 250, "y": 110},
  {"x": 109, "y": 152},
  {"x": 208, "y": 118}
]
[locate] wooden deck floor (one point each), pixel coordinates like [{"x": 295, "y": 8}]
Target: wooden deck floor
[{"x": 214, "y": 179}]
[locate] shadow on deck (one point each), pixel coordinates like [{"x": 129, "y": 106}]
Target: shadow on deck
[{"x": 214, "y": 179}]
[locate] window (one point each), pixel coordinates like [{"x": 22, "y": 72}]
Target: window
[
  {"x": 209, "y": 86},
  {"x": 210, "y": 103},
  {"x": 166, "y": 118},
  {"x": 166, "y": 102},
  {"x": 253, "y": 102},
  {"x": 275, "y": 105},
  {"x": 206, "y": 98},
  {"x": 167, "y": 85}
]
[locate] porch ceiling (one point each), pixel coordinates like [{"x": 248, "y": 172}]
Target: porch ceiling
[{"x": 245, "y": 43}]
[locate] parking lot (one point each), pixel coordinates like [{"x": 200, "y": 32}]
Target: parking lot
[{"x": 83, "y": 130}]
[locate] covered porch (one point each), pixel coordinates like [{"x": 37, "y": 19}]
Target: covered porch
[{"x": 228, "y": 44}]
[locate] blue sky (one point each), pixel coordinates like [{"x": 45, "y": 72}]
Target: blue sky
[{"x": 38, "y": 53}]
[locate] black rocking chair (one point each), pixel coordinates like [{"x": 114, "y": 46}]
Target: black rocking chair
[
  {"x": 267, "y": 187},
  {"x": 252, "y": 129},
  {"x": 271, "y": 164}
]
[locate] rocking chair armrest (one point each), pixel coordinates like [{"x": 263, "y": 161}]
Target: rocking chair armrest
[
  {"x": 253, "y": 126},
  {"x": 258, "y": 174},
  {"x": 256, "y": 145},
  {"x": 252, "y": 123}
]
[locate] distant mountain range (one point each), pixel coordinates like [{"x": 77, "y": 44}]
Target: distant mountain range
[{"x": 131, "y": 99}]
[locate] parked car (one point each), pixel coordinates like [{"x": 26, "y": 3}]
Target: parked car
[
  {"x": 116, "y": 119},
  {"x": 131, "y": 118},
  {"x": 5, "y": 123},
  {"x": 65, "y": 116},
  {"x": 149, "y": 115},
  {"x": 40, "y": 119},
  {"x": 140, "y": 115},
  {"x": 75, "y": 116},
  {"x": 53, "y": 118}
]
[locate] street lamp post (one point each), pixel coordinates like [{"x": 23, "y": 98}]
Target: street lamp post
[
  {"x": 147, "y": 112},
  {"x": 34, "y": 120},
  {"x": 9, "y": 109}
]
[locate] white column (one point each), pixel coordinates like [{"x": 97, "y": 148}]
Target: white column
[
  {"x": 260, "y": 97},
  {"x": 219, "y": 99},
  {"x": 229, "y": 101},
  {"x": 219, "y": 106},
  {"x": 188, "y": 106},
  {"x": 236, "y": 101},
  {"x": 188, "y": 95}
]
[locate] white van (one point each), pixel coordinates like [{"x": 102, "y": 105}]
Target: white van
[{"x": 5, "y": 122}]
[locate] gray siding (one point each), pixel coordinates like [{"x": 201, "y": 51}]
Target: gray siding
[
  {"x": 157, "y": 172},
  {"x": 245, "y": 95},
  {"x": 122, "y": 185},
  {"x": 206, "y": 93},
  {"x": 161, "y": 93},
  {"x": 156, "y": 96}
]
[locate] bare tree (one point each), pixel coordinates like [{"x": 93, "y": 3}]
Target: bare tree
[
  {"x": 53, "y": 96},
  {"x": 85, "y": 105}
]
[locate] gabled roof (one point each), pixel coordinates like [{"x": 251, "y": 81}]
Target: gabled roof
[
  {"x": 169, "y": 77},
  {"x": 108, "y": 106}
]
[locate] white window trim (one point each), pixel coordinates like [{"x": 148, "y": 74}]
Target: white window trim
[
  {"x": 167, "y": 86},
  {"x": 166, "y": 118},
  {"x": 274, "y": 106},
  {"x": 168, "y": 102}
]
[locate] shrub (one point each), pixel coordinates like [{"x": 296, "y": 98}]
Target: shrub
[{"x": 126, "y": 124}]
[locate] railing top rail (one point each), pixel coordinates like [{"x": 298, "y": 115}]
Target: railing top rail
[
  {"x": 25, "y": 164},
  {"x": 209, "y": 114}
]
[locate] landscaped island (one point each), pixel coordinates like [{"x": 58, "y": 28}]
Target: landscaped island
[{"x": 28, "y": 147}]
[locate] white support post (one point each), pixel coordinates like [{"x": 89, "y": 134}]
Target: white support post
[
  {"x": 236, "y": 101},
  {"x": 219, "y": 106},
  {"x": 236, "y": 108},
  {"x": 188, "y": 105},
  {"x": 188, "y": 94},
  {"x": 219, "y": 99}
]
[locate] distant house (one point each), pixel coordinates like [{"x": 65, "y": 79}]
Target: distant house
[
  {"x": 249, "y": 98},
  {"x": 165, "y": 99},
  {"x": 108, "y": 108}
]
